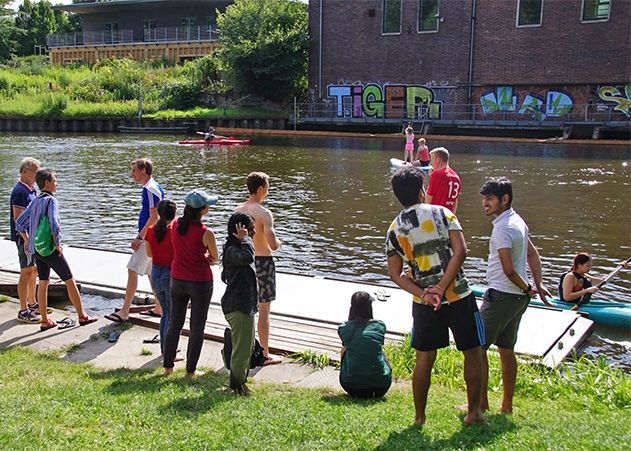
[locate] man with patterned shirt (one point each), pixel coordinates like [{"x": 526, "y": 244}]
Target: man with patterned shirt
[{"x": 430, "y": 241}]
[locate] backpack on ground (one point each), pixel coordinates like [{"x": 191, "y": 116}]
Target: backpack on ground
[{"x": 256, "y": 359}]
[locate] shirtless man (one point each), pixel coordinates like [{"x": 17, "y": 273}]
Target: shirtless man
[{"x": 265, "y": 242}]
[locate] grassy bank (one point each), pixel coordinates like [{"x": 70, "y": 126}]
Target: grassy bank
[
  {"x": 33, "y": 88},
  {"x": 48, "y": 403}
]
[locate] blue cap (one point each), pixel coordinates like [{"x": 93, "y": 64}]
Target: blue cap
[{"x": 198, "y": 198}]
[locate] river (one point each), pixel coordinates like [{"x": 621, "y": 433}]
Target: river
[{"x": 331, "y": 197}]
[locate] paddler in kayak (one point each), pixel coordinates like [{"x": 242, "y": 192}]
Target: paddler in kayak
[
  {"x": 210, "y": 134},
  {"x": 577, "y": 285}
]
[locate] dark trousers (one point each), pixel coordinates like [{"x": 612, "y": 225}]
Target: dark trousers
[
  {"x": 365, "y": 393},
  {"x": 199, "y": 294}
]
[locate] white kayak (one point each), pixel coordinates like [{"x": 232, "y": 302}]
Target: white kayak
[{"x": 396, "y": 163}]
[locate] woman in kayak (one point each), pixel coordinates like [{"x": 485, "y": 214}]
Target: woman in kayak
[{"x": 577, "y": 285}]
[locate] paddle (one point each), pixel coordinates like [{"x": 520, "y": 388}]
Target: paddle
[{"x": 607, "y": 278}]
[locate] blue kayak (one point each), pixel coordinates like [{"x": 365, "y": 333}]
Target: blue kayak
[{"x": 610, "y": 313}]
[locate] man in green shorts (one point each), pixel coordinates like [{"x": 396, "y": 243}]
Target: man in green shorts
[{"x": 508, "y": 292}]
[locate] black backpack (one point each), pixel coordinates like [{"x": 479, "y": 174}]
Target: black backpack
[{"x": 257, "y": 358}]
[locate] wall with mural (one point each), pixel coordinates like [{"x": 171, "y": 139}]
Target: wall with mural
[
  {"x": 527, "y": 103},
  {"x": 387, "y": 101}
]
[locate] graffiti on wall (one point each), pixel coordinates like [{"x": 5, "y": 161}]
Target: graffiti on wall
[
  {"x": 621, "y": 96},
  {"x": 385, "y": 102},
  {"x": 552, "y": 103}
]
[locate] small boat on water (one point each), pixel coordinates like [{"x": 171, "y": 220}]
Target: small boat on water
[
  {"x": 230, "y": 141},
  {"x": 610, "y": 313},
  {"x": 163, "y": 130},
  {"x": 397, "y": 163}
]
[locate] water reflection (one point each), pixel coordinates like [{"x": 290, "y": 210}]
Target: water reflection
[{"x": 331, "y": 197}]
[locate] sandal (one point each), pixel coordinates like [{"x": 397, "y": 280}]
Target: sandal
[
  {"x": 47, "y": 325},
  {"x": 66, "y": 323},
  {"x": 83, "y": 320}
]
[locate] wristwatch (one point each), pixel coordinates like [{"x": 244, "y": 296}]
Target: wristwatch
[{"x": 527, "y": 290}]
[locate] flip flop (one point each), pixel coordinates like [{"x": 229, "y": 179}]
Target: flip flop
[
  {"x": 66, "y": 323},
  {"x": 155, "y": 339},
  {"x": 113, "y": 337},
  {"x": 115, "y": 317},
  {"x": 151, "y": 313},
  {"x": 381, "y": 295}
]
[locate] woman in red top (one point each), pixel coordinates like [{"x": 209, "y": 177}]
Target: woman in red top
[
  {"x": 195, "y": 249},
  {"x": 159, "y": 248}
]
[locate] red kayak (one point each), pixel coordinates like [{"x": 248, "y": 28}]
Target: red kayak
[{"x": 230, "y": 141}]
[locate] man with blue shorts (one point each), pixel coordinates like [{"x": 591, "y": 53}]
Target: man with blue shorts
[{"x": 429, "y": 239}]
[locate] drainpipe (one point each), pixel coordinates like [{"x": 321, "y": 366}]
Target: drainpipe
[
  {"x": 471, "y": 42},
  {"x": 320, "y": 56}
]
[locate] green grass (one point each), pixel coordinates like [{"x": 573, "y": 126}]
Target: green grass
[
  {"x": 59, "y": 405},
  {"x": 590, "y": 383},
  {"x": 314, "y": 359}
]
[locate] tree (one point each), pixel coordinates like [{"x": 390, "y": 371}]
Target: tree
[
  {"x": 35, "y": 21},
  {"x": 265, "y": 47},
  {"x": 7, "y": 32}
]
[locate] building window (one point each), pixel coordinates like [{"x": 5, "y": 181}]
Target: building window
[
  {"x": 428, "y": 15},
  {"x": 595, "y": 10},
  {"x": 111, "y": 33},
  {"x": 392, "y": 16},
  {"x": 149, "y": 30},
  {"x": 529, "y": 13}
]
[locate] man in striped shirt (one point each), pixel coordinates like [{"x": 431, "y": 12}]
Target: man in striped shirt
[{"x": 140, "y": 263}]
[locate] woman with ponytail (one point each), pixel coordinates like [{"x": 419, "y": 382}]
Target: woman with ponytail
[
  {"x": 159, "y": 247},
  {"x": 194, "y": 250},
  {"x": 576, "y": 285}
]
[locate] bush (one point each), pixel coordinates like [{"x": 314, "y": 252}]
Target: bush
[
  {"x": 180, "y": 94},
  {"x": 53, "y": 105}
]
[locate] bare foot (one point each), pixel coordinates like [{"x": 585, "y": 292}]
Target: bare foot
[
  {"x": 168, "y": 371},
  {"x": 178, "y": 359},
  {"x": 419, "y": 420},
  {"x": 507, "y": 410},
  {"x": 194, "y": 374},
  {"x": 474, "y": 418},
  {"x": 272, "y": 360}
]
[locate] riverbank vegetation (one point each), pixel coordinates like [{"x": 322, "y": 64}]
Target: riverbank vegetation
[
  {"x": 260, "y": 66},
  {"x": 132, "y": 409}
]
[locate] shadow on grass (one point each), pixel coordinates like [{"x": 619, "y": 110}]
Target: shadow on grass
[
  {"x": 197, "y": 395},
  {"x": 344, "y": 399},
  {"x": 467, "y": 437}
]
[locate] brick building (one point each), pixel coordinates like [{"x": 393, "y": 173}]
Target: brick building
[{"x": 448, "y": 61}]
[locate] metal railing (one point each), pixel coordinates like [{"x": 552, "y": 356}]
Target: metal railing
[
  {"x": 155, "y": 35},
  {"x": 444, "y": 112}
]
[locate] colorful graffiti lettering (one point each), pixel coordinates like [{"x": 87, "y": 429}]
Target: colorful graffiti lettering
[
  {"x": 555, "y": 103},
  {"x": 613, "y": 94},
  {"x": 387, "y": 101}
]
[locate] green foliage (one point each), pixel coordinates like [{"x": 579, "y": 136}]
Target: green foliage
[
  {"x": 53, "y": 105},
  {"x": 180, "y": 93},
  {"x": 265, "y": 47},
  {"x": 123, "y": 78},
  {"x": 590, "y": 383},
  {"x": 314, "y": 359}
]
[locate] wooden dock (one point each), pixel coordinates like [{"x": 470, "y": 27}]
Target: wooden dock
[{"x": 308, "y": 309}]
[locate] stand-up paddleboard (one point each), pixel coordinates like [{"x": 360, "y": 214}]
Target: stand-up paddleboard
[
  {"x": 217, "y": 142},
  {"x": 396, "y": 163}
]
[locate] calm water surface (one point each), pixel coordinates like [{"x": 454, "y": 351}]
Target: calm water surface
[{"x": 331, "y": 197}]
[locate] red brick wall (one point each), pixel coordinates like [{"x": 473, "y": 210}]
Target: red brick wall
[{"x": 562, "y": 50}]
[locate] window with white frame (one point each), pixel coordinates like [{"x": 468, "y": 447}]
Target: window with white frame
[
  {"x": 391, "y": 16},
  {"x": 428, "y": 15},
  {"x": 595, "y": 10},
  {"x": 529, "y": 13}
]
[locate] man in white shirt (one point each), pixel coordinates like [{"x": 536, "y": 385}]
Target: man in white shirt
[{"x": 509, "y": 291}]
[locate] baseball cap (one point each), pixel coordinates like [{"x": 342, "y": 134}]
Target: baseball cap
[{"x": 198, "y": 198}]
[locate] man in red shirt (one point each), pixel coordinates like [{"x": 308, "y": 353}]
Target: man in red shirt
[{"x": 444, "y": 184}]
